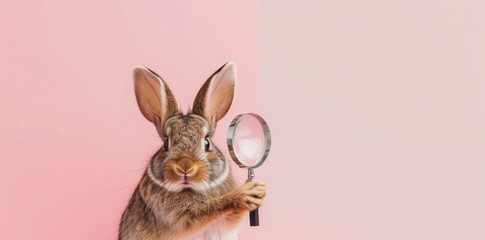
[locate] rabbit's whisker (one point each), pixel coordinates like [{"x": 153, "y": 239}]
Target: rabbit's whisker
[{"x": 117, "y": 176}]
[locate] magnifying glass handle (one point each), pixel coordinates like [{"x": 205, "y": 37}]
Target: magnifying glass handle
[{"x": 254, "y": 218}]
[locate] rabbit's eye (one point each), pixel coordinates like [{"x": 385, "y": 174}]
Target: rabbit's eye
[
  {"x": 207, "y": 144},
  {"x": 165, "y": 144}
]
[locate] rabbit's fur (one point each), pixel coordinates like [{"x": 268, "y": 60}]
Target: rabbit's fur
[{"x": 187, "y": 190}]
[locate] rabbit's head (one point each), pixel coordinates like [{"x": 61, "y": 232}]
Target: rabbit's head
[{"x": 187, "y": 159}]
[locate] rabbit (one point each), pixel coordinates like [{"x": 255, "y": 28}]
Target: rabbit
[{"x": 188, "y": 190}]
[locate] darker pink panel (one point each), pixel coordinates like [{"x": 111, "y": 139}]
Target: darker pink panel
[{"x": 73, "y": 144}]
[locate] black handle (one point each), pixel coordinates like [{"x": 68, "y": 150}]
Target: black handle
[{"x": 254, "y": 218}]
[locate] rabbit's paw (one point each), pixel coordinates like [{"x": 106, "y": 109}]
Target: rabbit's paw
[{"x": 251, "y": 195}]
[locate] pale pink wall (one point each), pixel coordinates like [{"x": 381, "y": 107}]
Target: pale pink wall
[
  {"x": 72, "y": 141},
  {"x": 377, "y": 110}
]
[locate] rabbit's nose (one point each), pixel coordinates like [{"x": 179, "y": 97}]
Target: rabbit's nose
[{"x": 185, "y": 172}]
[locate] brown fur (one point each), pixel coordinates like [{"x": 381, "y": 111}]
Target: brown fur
[{"x": 162, "y": 207}]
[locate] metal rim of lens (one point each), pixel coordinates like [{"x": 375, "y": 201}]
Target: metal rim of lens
[{"x": 230, "y": 139}]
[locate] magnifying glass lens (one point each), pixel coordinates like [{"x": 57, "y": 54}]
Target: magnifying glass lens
[{"x": 250, "y": 143}]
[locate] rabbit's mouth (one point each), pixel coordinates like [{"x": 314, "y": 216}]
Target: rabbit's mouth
[
  {"x": 185, "y": 182},
  {"x": 189, "y": 185}
]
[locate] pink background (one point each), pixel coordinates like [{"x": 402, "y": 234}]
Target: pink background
[
  {"x": 376, "y": 110},
  {"x": 73, "y": 143}
]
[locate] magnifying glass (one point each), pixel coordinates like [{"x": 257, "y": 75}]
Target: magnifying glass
[{"x": 249, "y": 142}]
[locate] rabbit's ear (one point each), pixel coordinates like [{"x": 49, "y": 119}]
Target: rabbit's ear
[
  {"x": 215, "y": 97},
  {"x": 154, "y": 98}
]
